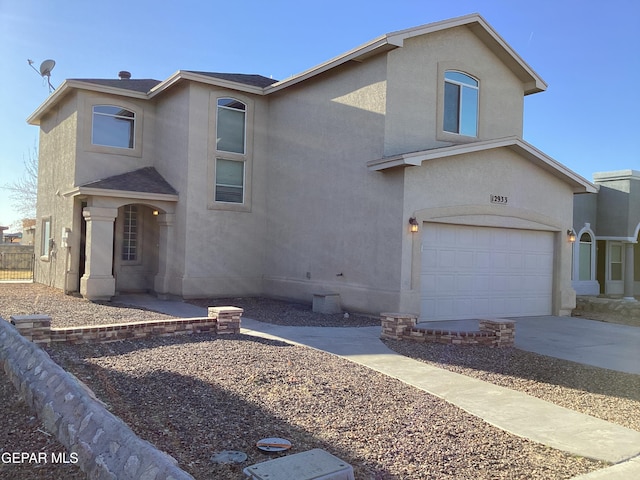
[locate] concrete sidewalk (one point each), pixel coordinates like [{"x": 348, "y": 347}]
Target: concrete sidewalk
[{"x": 512, "y": 411}]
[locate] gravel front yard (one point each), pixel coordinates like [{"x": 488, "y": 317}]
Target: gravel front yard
[{"x": 194, "y": 396}]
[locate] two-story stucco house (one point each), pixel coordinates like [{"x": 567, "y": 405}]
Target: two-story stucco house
[{"x": 395, "y": 175}]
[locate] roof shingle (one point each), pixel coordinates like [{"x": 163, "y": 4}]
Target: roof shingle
[
  {"x": 246, "y": 79},
  {"x": 136, "y": 85},
  {"x": 146, "y": 180}
]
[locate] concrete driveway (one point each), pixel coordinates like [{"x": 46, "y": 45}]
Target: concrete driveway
[{"x": 606, "y": 345}]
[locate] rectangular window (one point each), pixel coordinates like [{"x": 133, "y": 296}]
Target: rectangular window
[
  {"x": 584, "y": 268},
  {"x": 46, "y": 237},
  {"x": 113, "y": 126},
  {"x": 451, "y": 107},
  {"x": 229, "y": 181},
  {"x": 615, "y": 262},
  {"x": 130, "y": 234},
  {"x": 469, "y": 113}
]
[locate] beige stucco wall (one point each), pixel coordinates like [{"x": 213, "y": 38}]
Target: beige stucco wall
[
  {"x": 57, "y": 144},
  {"x": 219, "y": 248},
  {"x": 95, "y": 162},
  {"x": 416, "y": 88},
  {"x": 457, "y": 190},
  {"x": 333, "y": 225},
  {"x": 170, "y": 155}
]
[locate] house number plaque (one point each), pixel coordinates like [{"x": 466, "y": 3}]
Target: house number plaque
[{"x": 499, "y": 199}]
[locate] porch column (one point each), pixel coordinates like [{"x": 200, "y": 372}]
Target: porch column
[
  {"x": 628, "y": 273},
  {"x": 166, "y": 254},
  {"x": 98, "y": 282}
]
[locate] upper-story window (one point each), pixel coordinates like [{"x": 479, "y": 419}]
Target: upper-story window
[
  {"x": 231, "y": 126},
  {"x": 229, "y": 186},
  {"x": 460, "y": 104},
  {"x": 113, "y": 126}
]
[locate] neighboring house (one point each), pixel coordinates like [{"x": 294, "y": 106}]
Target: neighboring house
[
  {"x": 13, "y": 237},
  {"x": 607, "y": 224},
  {"x": 210, "y": 184},
  {"x": 28, "y": 231}
]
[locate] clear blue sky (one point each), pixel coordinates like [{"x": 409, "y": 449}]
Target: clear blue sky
[{"x": 587, "y": 51}]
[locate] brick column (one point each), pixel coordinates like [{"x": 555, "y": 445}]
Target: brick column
[
  {"x": 397, "y": 325},
  {"x": 227, "y": 319},
  {"x": 36, "y": 328},
  {"x": 504, "y": 331}
]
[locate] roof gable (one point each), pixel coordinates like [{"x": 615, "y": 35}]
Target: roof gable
[
  {"x": 522, "y": 148},
  {"x": 476, "y": 24}
]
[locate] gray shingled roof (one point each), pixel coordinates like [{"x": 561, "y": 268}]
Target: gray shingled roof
[
  {"x": 146, "y": 180},
  {"x": 253, "y": 80},
  {"x": 137, "y": 85},
  {"x": 146, "y": 84}
]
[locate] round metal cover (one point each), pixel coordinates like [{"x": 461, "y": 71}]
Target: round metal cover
[
  {"x": 273, "y": 444},
  {"x": 229, "y": 456}
]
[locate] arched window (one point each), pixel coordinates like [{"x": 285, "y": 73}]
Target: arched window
[
  {"x": 460, "y": 103},
  {"x": 584, "y": 257},
  {"x": 113, "y": 126},
  {"x": 231, "y": 126}
]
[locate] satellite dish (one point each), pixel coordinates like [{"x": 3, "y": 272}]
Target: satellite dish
[
  {"x": 45, "y": 71},
  {"x": 46, "y": 67}
]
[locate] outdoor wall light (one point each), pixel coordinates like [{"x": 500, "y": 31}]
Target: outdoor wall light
[
  {"x": 571, "y": 235},
  {"x": 413, "y": 225},
  {"x": 155, "y": 213}
]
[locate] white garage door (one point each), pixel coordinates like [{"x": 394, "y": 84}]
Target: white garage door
[{"x": 474, "y": 272}]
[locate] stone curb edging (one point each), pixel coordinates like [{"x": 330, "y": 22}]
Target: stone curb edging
[
  {"x": 617, "y": 306},
  {"x": 106, "y": 448}
]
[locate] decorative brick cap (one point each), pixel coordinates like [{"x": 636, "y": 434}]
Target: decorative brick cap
[
  {"x": 399, "y": 315},
  {"x": 228, "y": 309},
  {"x": 23, "y": 319}
]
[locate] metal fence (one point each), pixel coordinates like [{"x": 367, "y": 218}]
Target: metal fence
[{"x": 15, "y": 266}]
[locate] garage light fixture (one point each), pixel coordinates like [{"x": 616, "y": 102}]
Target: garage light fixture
[
  {"x": 571, "y": 235},
  {"x": 413, "y": 225}
]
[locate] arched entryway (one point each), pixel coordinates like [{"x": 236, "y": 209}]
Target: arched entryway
[{"x": 135, "y": 248}]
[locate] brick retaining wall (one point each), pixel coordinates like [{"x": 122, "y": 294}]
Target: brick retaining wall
[
  {"x": 37, "y": 328},
  {"x": 106, "y": 447},
  {"x": 493, "y": 333}
]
